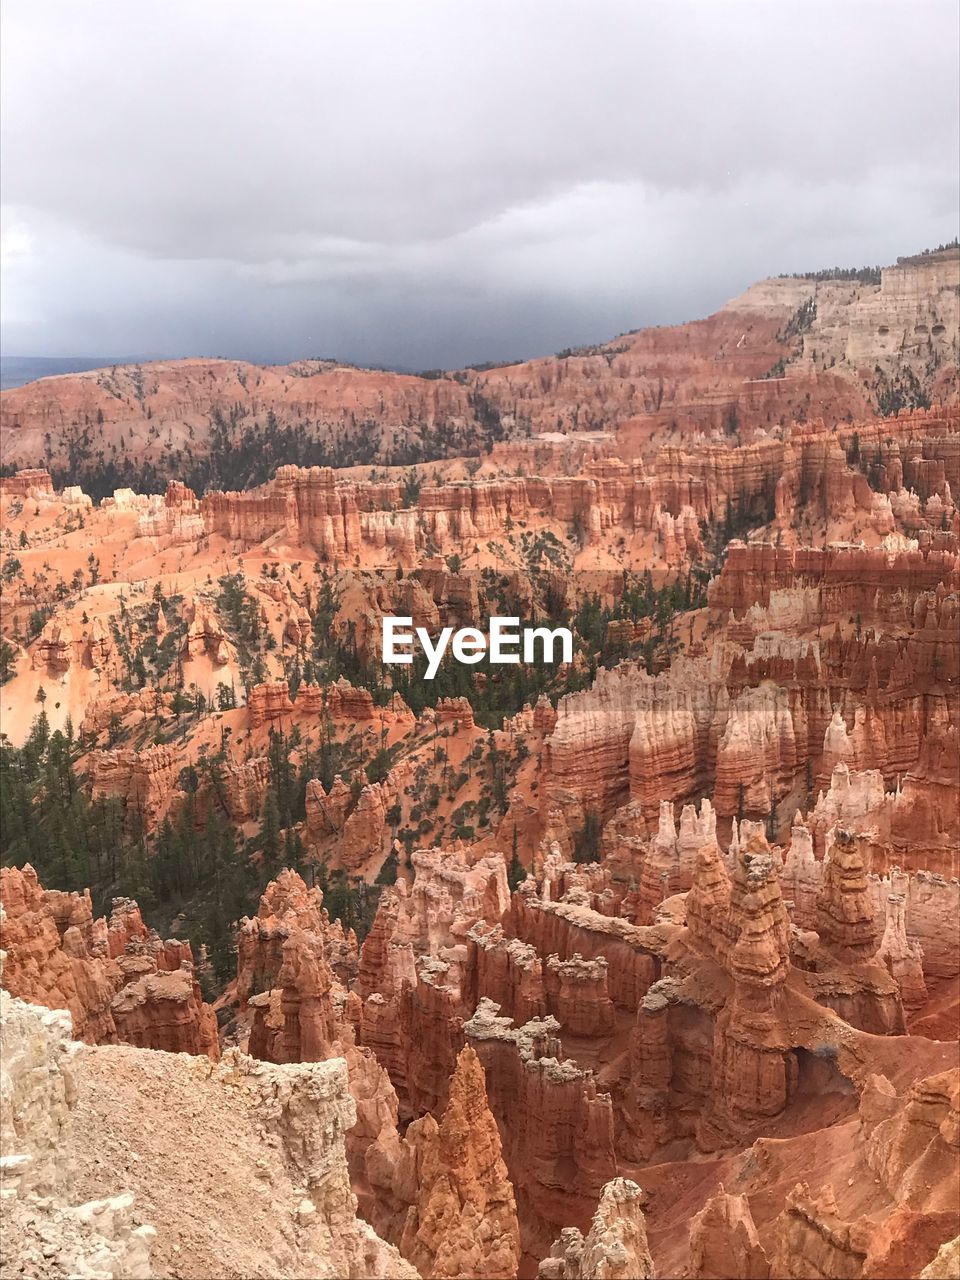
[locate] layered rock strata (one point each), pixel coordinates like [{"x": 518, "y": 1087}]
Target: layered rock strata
[
  {"x": 556, "y": 1126},
  {"x": 117, "y": 979}
]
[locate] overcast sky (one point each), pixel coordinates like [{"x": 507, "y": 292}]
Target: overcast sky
[{"x": 427, "y": 182}]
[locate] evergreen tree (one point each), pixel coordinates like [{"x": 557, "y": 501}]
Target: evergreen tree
[
  {"x": 516, "y": 872},
  {"x": 270, "y": 829},
  {"x": 586, "y": 846}
]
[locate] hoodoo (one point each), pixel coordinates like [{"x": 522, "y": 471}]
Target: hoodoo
[{"x": 348, "y": 934}]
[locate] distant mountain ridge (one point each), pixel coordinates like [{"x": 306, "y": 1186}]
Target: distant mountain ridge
[
  {"x": 16, "y": 371},
  {"x": 788, "y": 348}
]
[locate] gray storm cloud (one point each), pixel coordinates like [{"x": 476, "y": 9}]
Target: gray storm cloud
[{"x": 422, "y": 183}]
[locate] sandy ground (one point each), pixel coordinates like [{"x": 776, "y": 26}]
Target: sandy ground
[{"x": 194, "y": 1153}]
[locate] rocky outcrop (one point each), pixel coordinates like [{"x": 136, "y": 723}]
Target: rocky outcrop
[
  {"x": 754, "y": 1073},
  {"x": 282, "y": 1207},
  {"x": 812, "y": 1238},
  {"x": 671, "y": 856},
  {"x": 29, "y": 482},
  {"x": 759, "y": 722},
  {"x": 303, "y": 1110},
  {"x": 326, "y": 813},
  {"x": 946, "y": 1264},
  {"x": 430, "y": 1019},
  {"x": 64, "y": 644},
  {"x": 930, "y": 904},
  {"x": 347, "y": 702},
  {"x": 891, "y": 327},
  {"x": 305, "y": 983},
  {"x": 712, "y": 1055},
  {"x": 852, "y": 795},
  {"x": 338, "y": 519},
  {"x": 349, "y": 829},
  {"x": 269, "y": 703},
  {"x": 455, "y": 711},
  {"x": 145, "y": 781},
  {"x": 505, "y": 968},
  {"x": 165, "y": 1011},
  {"x": 800, "y": 877},
  {"x": 912, "y": 824},
  {"x": 464, "y": 1219},
  {"x": 144, "y": 704},
  {"x": 914, "y": 1151},
  {"x": 366, "y": 829},
  {"x": 877, "y": 585},
  {"x": 117, "y": 979},
  {"x": 577, "y": 995},
  {"x": 45, "y": 1229},
  {"x": 417, "y": 981},
  {"x": 724, "y": 1241},
  {"x": 72, "y": 970},
  {"x": 288, "y": 909},
  {"x": 845, "y": 914},
  {"x": 244, "y": 788},
  {"x": 615, "y": 1248},
  {"x": 205, "y": 635},
  {"x": 38, "y": 1089},
  {"x": 572, "y": 928},
  {"x": 757, "y": 754},
  {"x": 902, "y": 957},
  {"x": 666, "y": 498},
  {"x": 556, "y": 1126},
  {"x": 449, "y": 895}
]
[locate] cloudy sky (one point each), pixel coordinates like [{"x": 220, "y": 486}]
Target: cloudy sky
[{"x": 427, "y": 182}]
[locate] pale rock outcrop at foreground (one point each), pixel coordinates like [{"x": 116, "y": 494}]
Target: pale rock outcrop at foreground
[
  {"x": 278, "y": 1204},
  {"x": 45, "y": 1232},
  {"x": 615, "y": 1247},
  {"x": 946, "y": 1265}
]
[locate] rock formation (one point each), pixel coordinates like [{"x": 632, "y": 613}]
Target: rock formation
[
  {"x": 551, "y": 1116},
  {"x": 464, "y": 1221},
  {"x": 946, "y": 1264},
  {"x": 165, "y": 1011},
  {"x": 903, "y": 958},
  {"x": 915, "y": 1148},
  {"x": 688, "y": 909},
  {"x": 845, "y": 916},
  {"x": 285, "y": 1126},
  {"x": 615, "y": 1248},
  {"x": 46, "y": 1230},
  {"x": 724, "y": 1241},
  {"x": 813, "y": 1237},
  {"x": 753, "y": 1071},
  {"x": 288, "y": 908},
  {"x": 145, "y": 781},
  {"x": 117, "y": 979},
  {"x": 576, "y": 991}
]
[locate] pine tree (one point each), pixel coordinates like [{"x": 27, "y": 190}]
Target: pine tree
[
  {"x": 516, "y": 872},
  {"x": 270, "y": 829}
]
